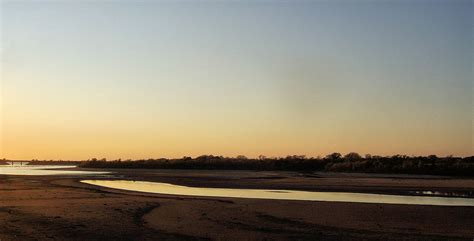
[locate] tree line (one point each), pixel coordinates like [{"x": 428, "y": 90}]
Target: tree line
[{"x": 334, "y": 162}]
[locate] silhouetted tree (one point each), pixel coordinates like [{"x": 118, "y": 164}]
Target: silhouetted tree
[
  {"x": 352, "y": 156},
  {"x": 334, "y": 156}
]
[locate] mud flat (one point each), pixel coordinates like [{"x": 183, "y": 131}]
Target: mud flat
[{"x": 57, "y": 207}]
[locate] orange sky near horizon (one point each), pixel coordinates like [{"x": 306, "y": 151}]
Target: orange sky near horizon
[{"x": 129, "y": 80}]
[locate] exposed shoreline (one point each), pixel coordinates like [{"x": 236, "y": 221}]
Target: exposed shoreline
[{"x": 62, "y": 208}]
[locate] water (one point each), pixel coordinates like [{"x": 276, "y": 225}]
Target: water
[
  {"x": 449, "y": 194},
  {"x": 42, "y": 170},
  {"x": 165, "y": 188}
]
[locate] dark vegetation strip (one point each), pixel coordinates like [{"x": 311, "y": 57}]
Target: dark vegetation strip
[{"x": 335, "y": 162}]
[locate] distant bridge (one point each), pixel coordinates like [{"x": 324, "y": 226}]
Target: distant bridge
[{"x": 18, "y": 163}]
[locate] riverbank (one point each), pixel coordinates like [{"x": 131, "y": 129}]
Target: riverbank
[
  {"x": 335, "y": 162},
  {"x": 62, "y": 208}
]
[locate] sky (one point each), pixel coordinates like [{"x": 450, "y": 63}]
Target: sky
[{"x": 148, "y": 79}]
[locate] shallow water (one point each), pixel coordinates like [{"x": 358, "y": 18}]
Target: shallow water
[
  {"x": 42, "y": 170},
  {"x": 445, "y": 194},
  {"x": 165, "y": 188}
]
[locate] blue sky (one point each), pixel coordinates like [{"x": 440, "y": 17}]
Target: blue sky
[{"x": 137, "y": 79}]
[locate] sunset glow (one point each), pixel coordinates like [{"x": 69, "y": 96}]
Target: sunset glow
[{"x": 149, "y": 79}]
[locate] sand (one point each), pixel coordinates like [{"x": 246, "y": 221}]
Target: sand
[{"x": 61, "y": 208}]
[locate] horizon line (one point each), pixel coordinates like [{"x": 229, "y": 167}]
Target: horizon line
[{"x": 240, "y": 157}]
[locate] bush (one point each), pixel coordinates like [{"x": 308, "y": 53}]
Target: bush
[{"x": 334, "y": 162}]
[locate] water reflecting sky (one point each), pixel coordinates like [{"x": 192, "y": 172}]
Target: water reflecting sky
[
  {"x": 165, "y": 188},
  {"x": 43, "y": 170}
]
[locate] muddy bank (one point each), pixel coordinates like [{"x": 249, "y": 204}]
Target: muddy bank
[{"x": 61, "y": 208}]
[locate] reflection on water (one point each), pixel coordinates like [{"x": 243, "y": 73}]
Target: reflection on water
[
  {"x": 42, "y": 170},
  {"x": 445, "y": 194},
  {"x": 165, "y": 188}
]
